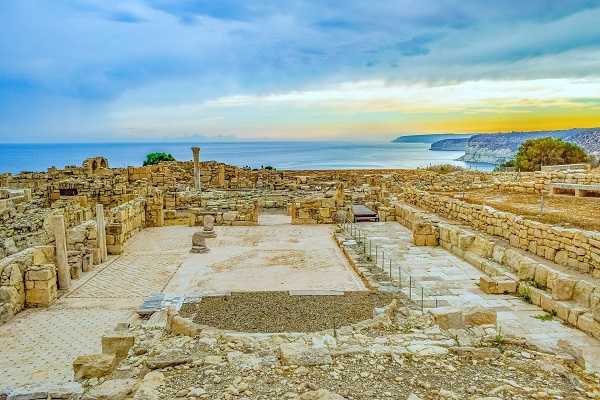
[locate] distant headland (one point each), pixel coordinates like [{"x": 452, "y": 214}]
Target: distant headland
[{"x": 496, "y": 148}]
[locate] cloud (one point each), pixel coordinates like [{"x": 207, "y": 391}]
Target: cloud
[{"x": 98, "y": 55}]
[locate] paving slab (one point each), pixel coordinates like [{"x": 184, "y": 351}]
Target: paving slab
[
  {"x": 458, "y": 288},
  {"x": 278, "y": 257}
]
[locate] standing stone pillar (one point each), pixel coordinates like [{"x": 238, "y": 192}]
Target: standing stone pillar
[
  {"x": 101, "y": 232},
  {"x": 60, "y": 239},
  {"x": 197, "y": 181}
]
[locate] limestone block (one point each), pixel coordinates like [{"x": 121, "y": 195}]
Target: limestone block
[
  {"x": 541, "y": 275},
  {"x": 448, "y": 318},
  {"x": 487, "y": 284},
  {"x": 93, "y": 365},
  {"x": 563, "y": 288},
  {"x": 301, "y": 354},
  {"x": 499, "y": 254},
  {"x": 183, "y": 326},
  {"x": 562, "y": 257},
  {"x": 43, "y": 274},
  {"x": 465, "y": 240},
  {"x": 526, "y": 269},
  {"x": 113, "y": 389},
  {"x": 582, "y": 292},
  {"x": 507, "y": 286},
  {"x": 479, "y": 316},
  {"x": 117, "y": 344}
]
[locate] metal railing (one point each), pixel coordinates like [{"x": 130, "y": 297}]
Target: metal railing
[{"x": 375, "y": 254}]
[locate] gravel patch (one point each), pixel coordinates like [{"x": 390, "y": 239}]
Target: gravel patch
[{"x": 281, "y": 312}]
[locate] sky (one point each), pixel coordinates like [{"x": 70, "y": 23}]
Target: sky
[{"x": 145, "y": 70}]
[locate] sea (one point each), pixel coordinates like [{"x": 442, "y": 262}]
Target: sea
[{"x": 288, "y": 155}]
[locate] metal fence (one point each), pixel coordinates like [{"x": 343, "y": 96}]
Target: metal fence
[{"x": 403, "y": 280}]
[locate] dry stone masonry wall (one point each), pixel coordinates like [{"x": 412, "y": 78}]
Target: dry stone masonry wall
[{"x": 573, "y": 248}]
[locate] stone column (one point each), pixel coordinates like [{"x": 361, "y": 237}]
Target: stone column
[
  {"x": 62, "y": 265},
  {"x": 101, "y": 232},
  {"x": 197, "y": 181}
]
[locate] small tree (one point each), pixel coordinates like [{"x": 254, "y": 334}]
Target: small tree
[
  {"x": 156, "y": 157},
  {"x": 547, "y": 151}
]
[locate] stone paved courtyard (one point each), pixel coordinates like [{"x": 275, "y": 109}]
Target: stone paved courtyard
[
  {"x": 266, "y": 258},
  {"x": 452, "y": 282},
  {"x": 40, "y": 344}
]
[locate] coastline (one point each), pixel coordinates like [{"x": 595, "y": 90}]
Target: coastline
[{"x": 283, "y": 155}]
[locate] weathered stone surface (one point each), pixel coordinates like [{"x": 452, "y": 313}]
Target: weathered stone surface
[
  {"x": 147, "y": 389},
  {"x": 68, "y": 390},
  {"x": 479, "y": 316},
  {"x": 93, "y": 365},
  {"x": 183, "y": 326},
  {"x": 114, "y": 389},
  {"x": 118, "y": 344},
  {"x": 321, "y": 394},
  {"x": 301, "y": 354},
  {"x": 448, "y": 318},
  {"x": 164, "y": 361}
]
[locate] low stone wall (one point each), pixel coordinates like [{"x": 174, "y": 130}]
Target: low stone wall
[
  {"x": 535, "y": 182},
  {"x": 569, "y": 297},
  {"x": 123, "y": 222},
  {"x": 423, "y": 226},
  {"x": 27, "y": 278},
  {"x": 318, "y": 210},
  {"x": 573, "y": 248}
]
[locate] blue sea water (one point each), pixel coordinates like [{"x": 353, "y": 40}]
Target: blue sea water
[{"x": 281, "y": 155}]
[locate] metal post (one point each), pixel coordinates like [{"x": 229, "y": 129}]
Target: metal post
[
  {"x": 376, "y": 253},
  {"x": 399, "y": 277},
  {"x": 382, "y": 260},
  {"x": 410, "y": 287},
  {"x": 422, "y": 300},
  {"x": 391, "y": 270}
]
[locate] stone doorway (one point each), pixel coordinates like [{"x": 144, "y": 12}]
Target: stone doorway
[{"x": 274, "y": 216}]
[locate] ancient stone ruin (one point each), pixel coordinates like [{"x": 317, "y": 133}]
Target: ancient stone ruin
[{"x": 444, "y": 285}]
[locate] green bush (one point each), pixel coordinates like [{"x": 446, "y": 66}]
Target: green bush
[
  {"x": 547, "y": 151},
  {"x": 156, "y": 157},
  {"x": 444, "y": 168}
]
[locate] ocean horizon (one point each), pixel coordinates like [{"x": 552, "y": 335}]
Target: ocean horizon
[{"x": 284, "y": 155}]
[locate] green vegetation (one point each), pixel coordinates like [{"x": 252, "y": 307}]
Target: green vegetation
[
  {"x": 156, "y": 157},
  {"x": 523, "y": 292},
  {"x": 544, "y": 317},
  {"x": 444, "y": 168},
  {"x": 547, "y": 151}
]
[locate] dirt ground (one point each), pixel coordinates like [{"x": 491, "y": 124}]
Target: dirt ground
[
  {"x": 567, "y": 211},
  {"x": 281, "y": 312}
]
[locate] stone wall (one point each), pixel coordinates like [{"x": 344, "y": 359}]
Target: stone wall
[
  {"x": 319, "y": 209},
  {"x": 570, "y": 296},
  {"x": 27, "y": 278},
  {"x": 423, "y": 226},
  {"x": 123, "y": 222},
  {"x": 535, "y": 182},
  {"x": 573, "y": 248}
]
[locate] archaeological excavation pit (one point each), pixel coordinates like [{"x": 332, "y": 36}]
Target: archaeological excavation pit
[{"x": 284, "y": 312}]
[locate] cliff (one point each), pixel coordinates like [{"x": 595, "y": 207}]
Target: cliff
[
  {"x": 431, "y": 138},
  {"x": 450, "y": 144},
  {"x": 500, "y": 147}
]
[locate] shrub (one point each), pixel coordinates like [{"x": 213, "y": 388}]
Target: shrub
[
  {"x": 444, "y": 168},
  {"x": 547, "y": 151},
  {"x": 156, "y": 157}
]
